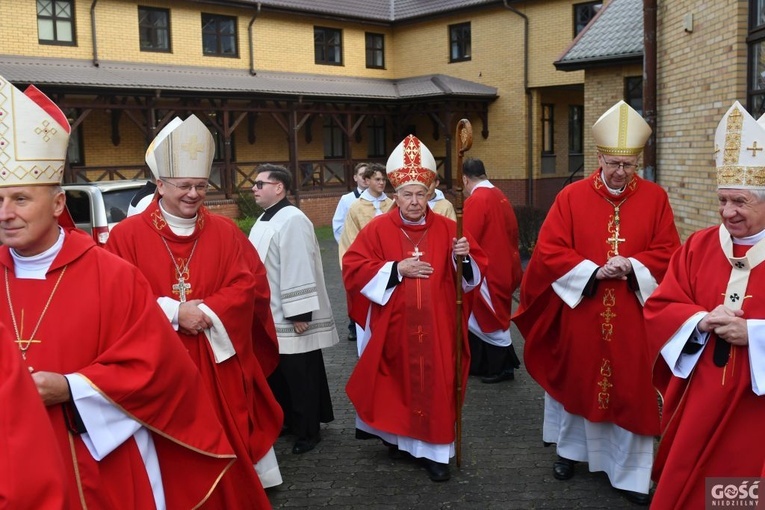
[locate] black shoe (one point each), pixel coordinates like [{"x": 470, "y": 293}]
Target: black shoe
[
  {"x": 637, "y": 498},
  {"x": 496, "y": 378},
  {"x": 305, "y": 445},
  {"x": 563, "y": 469},
  {"x": 351, "y": 337},
  {"x": 436, "y": 471}
]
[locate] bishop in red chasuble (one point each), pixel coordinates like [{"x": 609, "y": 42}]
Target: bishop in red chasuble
[
  {"x": 400, "y": 274},
  {"x": 706, "y": 325},
  {"x": 198, "y": 269},
  {"x": 104, "y": 360},
  {"x": 602, "y": 249}
]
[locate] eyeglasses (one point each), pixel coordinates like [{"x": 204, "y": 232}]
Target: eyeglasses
[
  {"x": 200, "y": 188},
  {"x": 615, "y": 165},
  {"x": 260, "y": 184}
]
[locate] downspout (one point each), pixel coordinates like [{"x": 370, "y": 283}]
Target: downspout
[
  {"x": 529, "y": 120},
  {"x": 93, "y": 31},
  {"x": 649, "y": 87},
  {"x": 249, "y": 34}
]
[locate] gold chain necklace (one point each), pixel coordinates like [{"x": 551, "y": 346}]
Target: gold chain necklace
[
  {"x": 182, "y": 286},
  {"x": 25, "y": 344},
  {"x": 615, "y": 229},
  {"x": 416, "y": 253}
]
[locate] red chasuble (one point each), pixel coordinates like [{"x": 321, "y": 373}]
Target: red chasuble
[
  {"x": 404, "y": 382},
  {"x": 217, "y": 273},
  {"x": 712, "y": 422},
  {"x": 490, "y": 218},
  {"x": 103, "y": 324},
  {"x": 32, "y": 475},
  {"x": 593, "y": 358}
]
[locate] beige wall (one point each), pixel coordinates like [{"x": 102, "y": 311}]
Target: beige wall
[{"x": 700, "y": 75}]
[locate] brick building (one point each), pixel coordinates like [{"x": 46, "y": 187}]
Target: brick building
[{"x": 317, "y": 85}]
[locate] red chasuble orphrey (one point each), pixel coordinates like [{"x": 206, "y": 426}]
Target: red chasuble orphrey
[
  {"x": 712, "y": 421},
  {"x": 593, "y": 358},
  {"x": 490, "y": 218},
  {"x": 217, "y": 273},
  {"x": 404, "y": 382},
  {"x": 32, "y": 475},
  {"x": 103, "y": 324}
]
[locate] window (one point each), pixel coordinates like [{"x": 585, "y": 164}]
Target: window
[
  {"x": 459, "y": 42},
  {"x": 376, "y": 148},
  {"x": 583, "y": 13},
  {"x": 334, "y": 142},
  {"x": 375, "y": 44},
  {"x": 55, "y": 22},
  {"x": 575, "y": 129},
  {"x": 548, "y": 129},
  {"x": 154, "y": 29},
  {"x": 756, "y": 40},
  {"x": 328, "y": 46},
  {"x": 633, "y": 92},
  {"x": 219, "y": 35}
]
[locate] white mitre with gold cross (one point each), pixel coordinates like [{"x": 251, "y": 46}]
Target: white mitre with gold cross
[
  {"x": 740, "y": 150},
  {"x": 34, "y": 137},
  {"x": 183, "y": 149},
  {"x": 621, "y": 131}
]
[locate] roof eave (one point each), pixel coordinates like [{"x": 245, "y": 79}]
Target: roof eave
[{"x": 595, "y": 62}]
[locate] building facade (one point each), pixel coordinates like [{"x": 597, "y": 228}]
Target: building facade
[{"x": 314, "y": 85}]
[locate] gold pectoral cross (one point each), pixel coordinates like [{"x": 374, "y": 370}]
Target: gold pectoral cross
[
  {"x": 417, "y": 253},
  {"x": 24, "y": 345},
  {"x": 180, "y": 288},
  {"x": 614, "y": 241}
]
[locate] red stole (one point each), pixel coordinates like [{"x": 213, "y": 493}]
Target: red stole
[
  {"x": 711, "y": 421},
  {"x": 490, "y": 218},
  {"x": 119, "y": 341},
  {"x": 404, "y": 381},
  {"x": 593, "y": 358}
]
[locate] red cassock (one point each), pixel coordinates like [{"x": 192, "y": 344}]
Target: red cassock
[
  {"x": 593, "y": 359},
  {"x": 490, "y": 218},
  {"x": 712, "y": 422},
  {"x": 32, "y": 475},
  {"x": 103, "y": 324},
  {"x": 218, "y": 274},
  {"x": 404, "y": 382}
]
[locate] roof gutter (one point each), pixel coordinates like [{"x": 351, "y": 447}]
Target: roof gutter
[
  {"x": 250, "y": 37},
  {"x": 93, "y": 31},
  {"x": 529, "y": 120},
  {"x": 649, "y": 87}
]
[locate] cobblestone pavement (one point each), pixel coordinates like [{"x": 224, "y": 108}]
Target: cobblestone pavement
[{"x": 504, "y": 464}]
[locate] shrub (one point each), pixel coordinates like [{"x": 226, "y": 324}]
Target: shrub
[{"x": 529, "y": 222}]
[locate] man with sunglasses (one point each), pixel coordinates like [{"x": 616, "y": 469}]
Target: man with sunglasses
[
  {"x": 601, "y": 251},
  {"x": 198, "y": 265},
  {"x": 286, "y": 242}
]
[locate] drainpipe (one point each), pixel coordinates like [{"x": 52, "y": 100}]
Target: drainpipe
[
  {"x": 250, "y": 37},
  {"x": 649, "y": 87},
  {"x": 529, "y": 120},
  {"x": 93, "y": 31}
]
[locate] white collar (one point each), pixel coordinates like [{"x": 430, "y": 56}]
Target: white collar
[
  {"x": 750, "y": 240},
  {"x": 179, "y": 226},
  {"x": 486, "y": 183},
  {"x": 36, "y": 266},
  {"x": 615, "y": 192}
]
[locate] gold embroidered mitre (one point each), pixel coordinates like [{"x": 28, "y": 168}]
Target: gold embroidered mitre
[
  {"x": 739, "y": 150},
  {"x": 182, "y": 149},
  {"x": 621, "y": 131},
  {"x": 34, "y": 137},
  {"x": 411, "y": 162}
]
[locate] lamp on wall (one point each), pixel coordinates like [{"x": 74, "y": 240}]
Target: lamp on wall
[{"x": 688, "y": 22}]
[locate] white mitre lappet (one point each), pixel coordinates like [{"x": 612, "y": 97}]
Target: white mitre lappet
[
  {"x": 182, "y": 149},
  {"x": 621, "y": 131},
  {"x": 34, "y": 137},
  {"x": 411, "y": 162},
  {"x": 740, "y": 150}
]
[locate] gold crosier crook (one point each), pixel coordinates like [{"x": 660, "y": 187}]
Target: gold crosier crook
[{"x": 464, "y": 141}]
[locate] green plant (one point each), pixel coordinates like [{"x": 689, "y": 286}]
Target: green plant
[
  {"x": 529, "y": 222},
  {"x": 247, "y": 206},
  {"x": 245, "y": 224}
]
